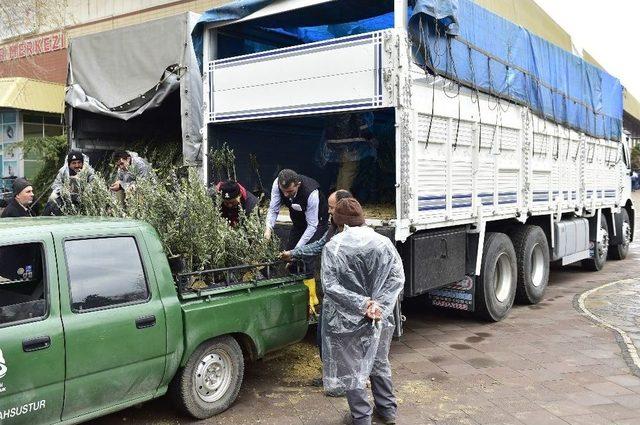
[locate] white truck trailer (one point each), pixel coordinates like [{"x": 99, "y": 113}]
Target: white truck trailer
[{"x": 489, "y": 190}]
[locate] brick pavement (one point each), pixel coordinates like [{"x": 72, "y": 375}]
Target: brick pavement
[{"x": 544, "y": 364}]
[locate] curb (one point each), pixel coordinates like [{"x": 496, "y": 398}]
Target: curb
[{"x": 629, "y": 350}]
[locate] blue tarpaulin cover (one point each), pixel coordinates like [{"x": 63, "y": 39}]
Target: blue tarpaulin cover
[{"x": 466, "y": 43}]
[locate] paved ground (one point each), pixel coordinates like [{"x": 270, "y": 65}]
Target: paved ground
[{"x": 545, "y": 364}]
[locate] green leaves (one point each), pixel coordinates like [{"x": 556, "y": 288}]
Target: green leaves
[{"x": 187, "y": 219}]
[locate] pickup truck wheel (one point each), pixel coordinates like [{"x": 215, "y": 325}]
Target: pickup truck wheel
[
  {"x": 532, "y": 253},
  {"x": 601, "y": 249},
  {"x": 211, "y": 380},
  {"x": 496, "y": 285},
  {"x": 619, "y": 252}
]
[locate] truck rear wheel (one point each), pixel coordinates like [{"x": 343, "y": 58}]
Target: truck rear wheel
[
  {"x": 619, "y": 252},
  {"x": 532, "y": 253},
  {"x": 496, "y": 286},
  {"x": 211, "y": 380},
  {"x": 600, "y": 249}
]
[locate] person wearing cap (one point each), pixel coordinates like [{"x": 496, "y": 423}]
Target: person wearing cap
[
  {"x": 20, "y": 205},
  {"x": 77, "y": 165},
  {"x": 130, "y": 167},
  {"x": 362, "y": 277},
  {"x": 235, "y": 198}
]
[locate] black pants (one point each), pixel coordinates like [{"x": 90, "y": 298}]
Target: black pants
[{"x": 295, "y": 235}]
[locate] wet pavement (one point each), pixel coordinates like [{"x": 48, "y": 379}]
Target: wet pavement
[
  {"x": 551, "y": 363},
  {"x": 616, "y": 305}
]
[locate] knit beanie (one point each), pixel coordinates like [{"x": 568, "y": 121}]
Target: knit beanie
[
  {"x": 19, "y": 185},
  {"x": 229, "y": 189},
  {"x": 74, "y": 156},
  {"x": 348, "y": 211}
]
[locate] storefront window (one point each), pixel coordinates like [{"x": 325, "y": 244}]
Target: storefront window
[
  {"x": 16, "y": 126},
  {"x": 32, "y": 130},
  {"x": 52, "y": 130}
]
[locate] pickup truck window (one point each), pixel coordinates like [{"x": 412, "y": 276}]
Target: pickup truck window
[
  {"x": 22, "y": 285},
  {"x": 105, "y": 272}
]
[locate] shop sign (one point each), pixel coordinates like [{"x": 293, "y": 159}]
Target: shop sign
[{"x": 33, "y": 46}]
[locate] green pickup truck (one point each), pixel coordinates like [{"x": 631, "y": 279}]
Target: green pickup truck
[{"x": 92, "y": 321}]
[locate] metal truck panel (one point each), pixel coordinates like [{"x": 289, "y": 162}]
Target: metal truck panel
[{"x": 326, "y": 76}]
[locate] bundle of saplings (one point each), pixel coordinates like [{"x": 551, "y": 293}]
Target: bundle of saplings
[{"x": 187, "y": 218}]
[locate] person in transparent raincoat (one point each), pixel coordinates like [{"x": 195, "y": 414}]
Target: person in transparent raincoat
[{"x": 362, "y": 277}]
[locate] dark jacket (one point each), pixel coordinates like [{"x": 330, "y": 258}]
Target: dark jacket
[
  {"x": 14, "y": 209},
  {"x": 298, "y": 217}
]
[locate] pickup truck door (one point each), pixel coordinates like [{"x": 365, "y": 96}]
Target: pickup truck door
[
  {"x": 114, "y": 322},
  {"x": 31, "y": 335}
]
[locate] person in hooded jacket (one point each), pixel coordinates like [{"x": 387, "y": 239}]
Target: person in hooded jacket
[
  {"x": 20, "y": 205},
  {"x": 77, "y": 165},
  {"x": 234, "y": 198},
  {"x": 130, "y": 167},
  {"x": 77, "y": 162},
  {"x": 362, "y": 277}
]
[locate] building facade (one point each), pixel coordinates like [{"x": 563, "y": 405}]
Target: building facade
[{"x": 33, "y": 43}]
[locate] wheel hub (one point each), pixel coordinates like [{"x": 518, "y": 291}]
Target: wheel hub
[
  {"x": 213, "y": 376},
  {"x": 603, "y": 243},
  {"x": 502, "y": 278},
  {"x": 537, "y": 265}
]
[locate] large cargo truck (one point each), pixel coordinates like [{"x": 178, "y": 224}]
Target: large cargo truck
[{"x": 501, "y": 165}]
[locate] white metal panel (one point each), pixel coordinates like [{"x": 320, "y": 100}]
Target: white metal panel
[
  {"x": 431, "y": 165},
  {"x": 327, "y": 76},
  {"x": 519, "y": 164},
  {"x": 509, "y": 168}
]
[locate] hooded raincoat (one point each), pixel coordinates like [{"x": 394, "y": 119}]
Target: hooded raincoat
[
  {"x": 358, "y": 265},
  {"x": 139, "y": 168},
  {"x": 64, "y": 175}
]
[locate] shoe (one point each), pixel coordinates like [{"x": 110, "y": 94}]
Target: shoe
[
  {"x": 387, "y": 420},
  {"x": 335, "y": 393},
  {"x": 317, "y": 382}
]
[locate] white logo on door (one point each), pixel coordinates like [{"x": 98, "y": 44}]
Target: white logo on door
[{"x": 3, "y": 366}]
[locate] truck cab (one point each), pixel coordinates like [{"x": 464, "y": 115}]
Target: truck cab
[{"x": 91, "y": 322}]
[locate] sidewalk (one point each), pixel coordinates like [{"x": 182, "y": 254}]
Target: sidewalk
[{"x": 544, "y": 364}]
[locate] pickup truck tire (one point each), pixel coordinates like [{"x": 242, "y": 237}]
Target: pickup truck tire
[
  {"x": 496, "y": 285},
  {"x": 620, "y": 252},
  {"x": 600, "y": 249},
  {"x": 532, "y": 253},
  {"x": 211, "y": 380}
]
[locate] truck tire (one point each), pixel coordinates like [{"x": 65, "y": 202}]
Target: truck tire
[
  {"x": 496, "y": 285},
  {"x": 532, "y": 254},
  {"x": 211, "y": 380},
  {"x": 619, "y": 252},
  {"x": 600, "y": 250}
]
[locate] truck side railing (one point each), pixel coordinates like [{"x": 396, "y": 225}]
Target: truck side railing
[{"x": 203, "y": 282}]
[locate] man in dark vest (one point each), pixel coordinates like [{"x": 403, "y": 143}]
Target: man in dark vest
[
  {"x": 308, "y": 211},
  {"x": 20, "y": 205}
]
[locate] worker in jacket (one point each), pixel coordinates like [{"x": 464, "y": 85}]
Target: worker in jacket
[
  {"x": 235, "y": 198},
  {"x": 130, "y": 167},
  {"x": 76, "y": 167},
  {"x": 308, "y": 211},
  {"x": 20, "y": 205},
  {"x": 77, "y": 164}
]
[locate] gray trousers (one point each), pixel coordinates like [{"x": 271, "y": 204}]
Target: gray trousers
[{"x": 384, "y": 400}]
